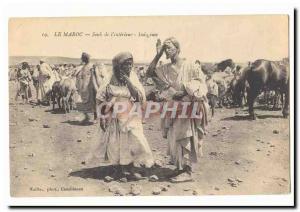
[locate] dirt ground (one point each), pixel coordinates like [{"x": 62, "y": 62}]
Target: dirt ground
[{"x": 49, "y": 155}]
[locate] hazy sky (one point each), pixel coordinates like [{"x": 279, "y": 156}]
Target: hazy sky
[{"x": 207, "y": 38}]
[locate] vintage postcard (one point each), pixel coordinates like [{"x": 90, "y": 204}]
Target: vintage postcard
[{"x": 149, "y": 106}]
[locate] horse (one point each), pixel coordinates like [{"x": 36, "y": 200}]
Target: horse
[{"x": 262, "y": 74}]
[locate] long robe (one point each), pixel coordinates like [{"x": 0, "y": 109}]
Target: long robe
[
  {"x": 184, "y": 134},
  {"x": 124, "y": 142},
  {"x": 46, "y": 80},
  {"x": 88, "y": 80},
  {"x": 85, "y": 88},
  {"x": 83, "y": 82}
]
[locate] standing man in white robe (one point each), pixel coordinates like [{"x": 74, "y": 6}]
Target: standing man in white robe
[
  {"x": 89, "y": 78},
  {"x": 46, "y": 80},
  {"x": 184, "y": 135}
]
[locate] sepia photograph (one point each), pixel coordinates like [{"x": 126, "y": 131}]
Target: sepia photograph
[{"x": 149, "y": 106}]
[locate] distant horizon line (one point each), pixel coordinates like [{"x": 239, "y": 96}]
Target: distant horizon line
[{"x": 139, "y": 61}]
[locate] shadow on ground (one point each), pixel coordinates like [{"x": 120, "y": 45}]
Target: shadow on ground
[
  {"x": 56, "y": 111},
  {"x": 269, "y": 116},
  {"x": 263, "y": 107},
  {"x": 247, "y": 117},
  {"x": 164, "y": 174},
  {"x": 267, "y": 108},
  {"x": 237, "y": 118},
  {"x": 78, "y": 123}
]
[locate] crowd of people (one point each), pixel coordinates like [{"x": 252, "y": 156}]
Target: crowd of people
[{"x": 125, "y": 144}]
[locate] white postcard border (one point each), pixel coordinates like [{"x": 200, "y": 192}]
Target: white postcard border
[{"x": 108, "y": 8}]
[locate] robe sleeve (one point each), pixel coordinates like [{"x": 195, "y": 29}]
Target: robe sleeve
[
  {"x": 141, "y": 91},
  {"x": 160, "y": 73},
  {"x": 101, "y": 74},
  {"x": 49, "y": 70},
  {"x": 102, "y": 78},
  {"x": 194, "y": 83}
]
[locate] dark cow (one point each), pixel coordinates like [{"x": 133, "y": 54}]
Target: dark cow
[{"x": 263, "y": 74}]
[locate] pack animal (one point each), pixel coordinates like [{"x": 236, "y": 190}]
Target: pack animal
[{"x": 265, "y": 74}]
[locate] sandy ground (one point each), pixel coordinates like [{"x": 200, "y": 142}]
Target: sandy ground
[{"x": 240, "y": 156}]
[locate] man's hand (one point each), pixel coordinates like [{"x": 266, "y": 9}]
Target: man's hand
[
  {"x": 132, "y": 89},
  {"x": 158, "y": 45},
  {"x": 125, "y": 78},
  {"x": 129, "y": 83},
  {"x": 159, "y": 52}
]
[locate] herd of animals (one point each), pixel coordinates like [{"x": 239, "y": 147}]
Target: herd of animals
[
  {"x": 267, "y": 81},
  {"x": 262, "y": 80}
]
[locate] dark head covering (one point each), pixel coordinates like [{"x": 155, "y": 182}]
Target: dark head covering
[{"x": 120, "y": 58}]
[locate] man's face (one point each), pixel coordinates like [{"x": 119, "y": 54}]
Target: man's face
[{"x": 170, "y": 50}]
